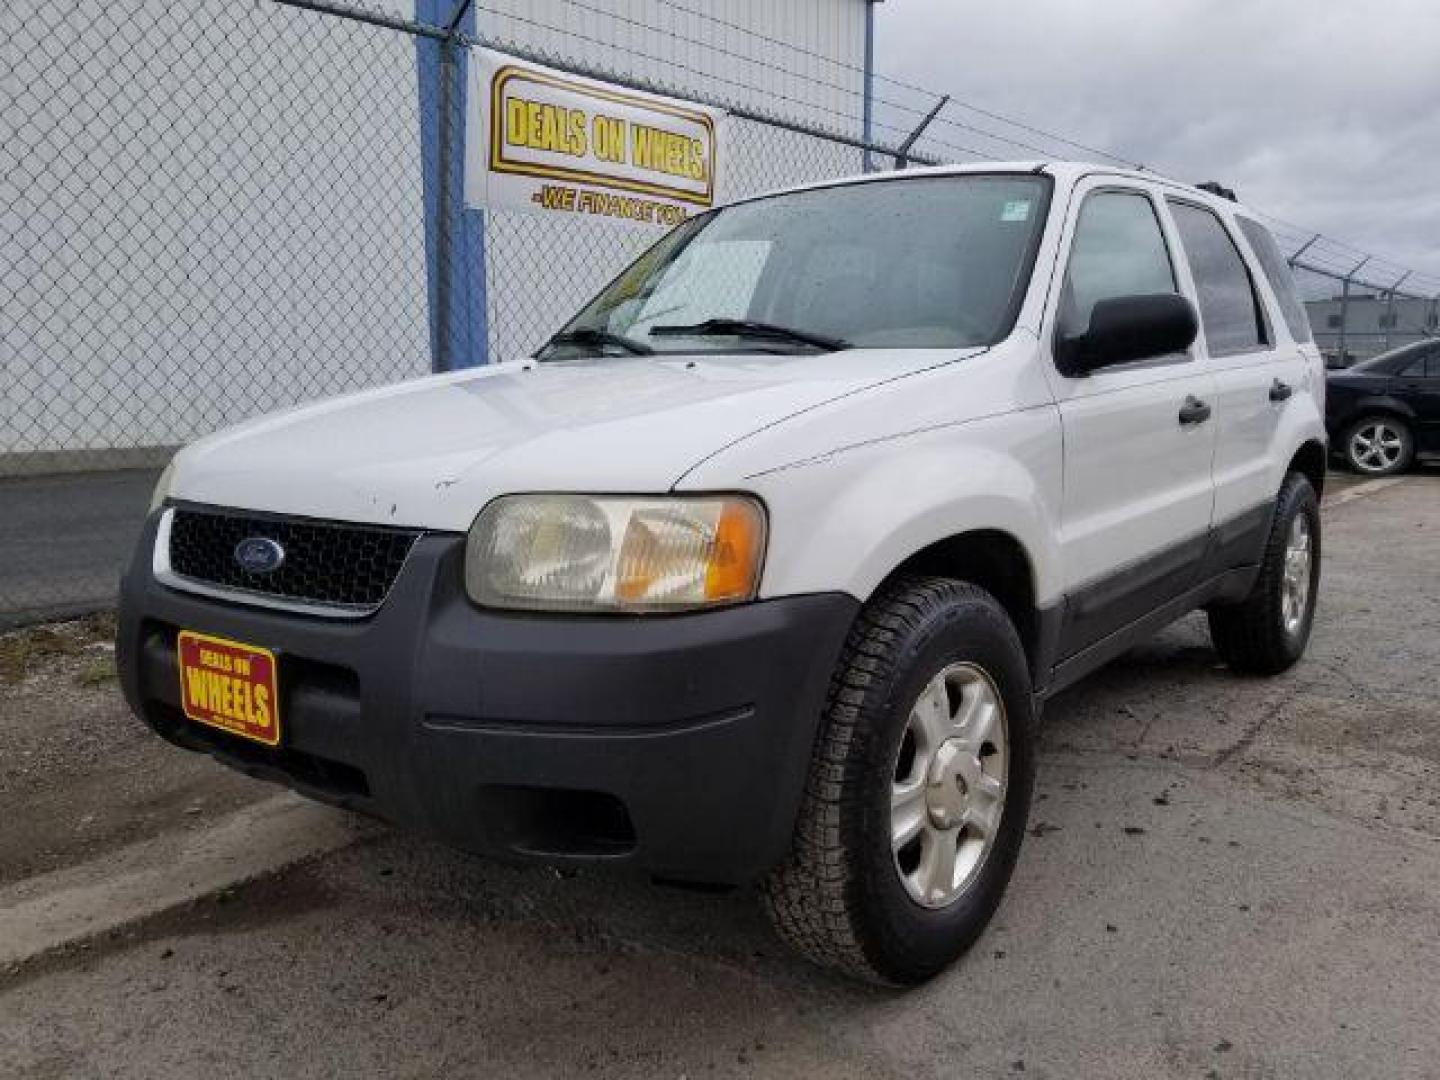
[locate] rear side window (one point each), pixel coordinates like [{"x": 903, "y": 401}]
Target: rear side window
[
  {"x": 1119, "y": 250},
  {"x": 1230, "y": 312},
  {"x": 1277, "y": 272}
]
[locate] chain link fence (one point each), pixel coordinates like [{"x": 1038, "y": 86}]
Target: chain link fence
[
  {"x": 1358, "y": 316},
  {"x": 197, "y": 224},
  {"x": 216, "y": 209}
]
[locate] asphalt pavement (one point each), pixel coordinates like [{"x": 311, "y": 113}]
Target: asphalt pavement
[
  {"x": 64, "y": 540},
  {"x": 1225, "y": 877}
]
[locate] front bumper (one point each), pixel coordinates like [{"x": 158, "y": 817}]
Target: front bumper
[{"x": 678, "y": 744}]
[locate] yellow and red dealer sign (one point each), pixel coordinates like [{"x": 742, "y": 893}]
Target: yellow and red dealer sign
[
  {"x": 560, "y": 144},
  {"x": 229, "y": 686}
]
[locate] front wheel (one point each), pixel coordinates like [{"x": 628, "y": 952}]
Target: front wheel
[
  {"x": 919, "y": 788},
  {"x": 1265, "y": 633}
]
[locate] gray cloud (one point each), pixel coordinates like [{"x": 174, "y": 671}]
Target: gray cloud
[{"x": 1322, "y": 112}]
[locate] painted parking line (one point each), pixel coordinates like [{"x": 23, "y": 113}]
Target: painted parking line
[
  {"x": 60, "y": 908},
  {"x": 1361, "y": 491}
]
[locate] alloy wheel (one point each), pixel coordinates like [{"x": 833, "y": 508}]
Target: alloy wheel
[
  {"x": 1376, "y": 446},
  {"x": 948, "y": 792},
  {"x": 1295, "y": 579}
]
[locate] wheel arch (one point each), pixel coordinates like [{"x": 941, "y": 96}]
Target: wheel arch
[
  {"x": 1310, "y": 460},
  {"x": 996, "y": 561},
  {"x": 1379, "y": 405}
]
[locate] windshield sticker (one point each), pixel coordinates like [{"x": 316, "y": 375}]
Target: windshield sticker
[{"x": 1016, "y": 210}]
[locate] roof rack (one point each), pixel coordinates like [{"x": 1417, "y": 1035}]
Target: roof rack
[{"x": 1214, "y": 187}]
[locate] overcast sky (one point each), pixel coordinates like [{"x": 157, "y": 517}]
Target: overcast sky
[{"x": 1324, "y": 112}]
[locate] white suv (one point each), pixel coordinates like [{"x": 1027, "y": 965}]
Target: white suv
[{"x": 763, "y": 568}]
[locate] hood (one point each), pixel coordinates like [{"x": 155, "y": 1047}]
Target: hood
[
  {"x": 431, "y": 452},
  {"x": 1356, "y": 378}
]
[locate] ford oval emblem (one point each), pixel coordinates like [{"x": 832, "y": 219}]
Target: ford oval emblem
[{"x": 259, "y": 555}]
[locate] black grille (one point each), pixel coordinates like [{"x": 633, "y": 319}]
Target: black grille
[{"x": 331, "y": 563}]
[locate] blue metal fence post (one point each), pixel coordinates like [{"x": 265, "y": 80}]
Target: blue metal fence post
[
  {"x": 868, "y": 122},
  {"x": 454, "y": 234}
]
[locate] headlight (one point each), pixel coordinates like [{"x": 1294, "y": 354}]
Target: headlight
[
  {"x": 162, "y": 488},
  {"x": 584, "y": 553}
]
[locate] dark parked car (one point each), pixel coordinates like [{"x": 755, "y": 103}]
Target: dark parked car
[{"x": 1385, "y": 412}]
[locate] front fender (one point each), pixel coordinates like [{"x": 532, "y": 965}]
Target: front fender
[{"x": 847, "y": 519}]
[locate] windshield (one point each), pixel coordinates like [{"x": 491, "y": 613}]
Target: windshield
[{"x": 934, "y": 262}]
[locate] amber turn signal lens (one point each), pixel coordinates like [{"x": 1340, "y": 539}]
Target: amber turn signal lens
[{"x": 735, "y": 553}]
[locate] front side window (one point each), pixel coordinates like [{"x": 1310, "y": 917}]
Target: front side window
[
  {"x": 1425, "y": 365},
  {"x": 1396, "y": 361},
  {"x": 1118, "y": 251},
  {"x": 1282, "y": 281},
  {"x": 1230, "y": 312},
  {"x": 936, "y": 262}
]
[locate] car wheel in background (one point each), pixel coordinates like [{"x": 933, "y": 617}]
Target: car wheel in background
[
  {"x": 1267, "y": 631},
  {"x": 920, "y": 785},
  {"x": 1379, "y": 445}
]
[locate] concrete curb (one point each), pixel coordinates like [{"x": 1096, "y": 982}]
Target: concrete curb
[{"x": 70, "y": 905}]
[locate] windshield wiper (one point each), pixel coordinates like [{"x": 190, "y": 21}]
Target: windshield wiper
[
  {"x": 589, "y": 335},
  {"x": 752, "y": 329}
]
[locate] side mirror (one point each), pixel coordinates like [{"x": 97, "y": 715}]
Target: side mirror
[{"x": 1124, "y": 329}]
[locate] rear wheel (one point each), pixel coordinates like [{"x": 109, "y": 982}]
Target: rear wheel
[
  {"x": 919, "y": 789},
  {"x": 1379, "y": 446},
  {"x": 1265, "y": 633}
]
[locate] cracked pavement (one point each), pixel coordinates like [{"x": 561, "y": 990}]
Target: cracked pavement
[{"x": 1225, "y": 877}]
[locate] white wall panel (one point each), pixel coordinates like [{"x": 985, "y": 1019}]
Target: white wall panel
[
  {"x": 210, "y": 210},
  {"x": 214, "y": 209},
  {"x": 798, "y": 58}
]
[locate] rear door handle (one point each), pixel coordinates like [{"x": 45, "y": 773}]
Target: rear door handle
[
  {"x": 1280, "y": 391},
  {"x": 1194, "y": 411}
]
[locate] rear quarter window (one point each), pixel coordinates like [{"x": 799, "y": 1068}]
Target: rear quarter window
[
  {"x": 1231, "y": 316},
  {"x": 1282, "y": 281}
]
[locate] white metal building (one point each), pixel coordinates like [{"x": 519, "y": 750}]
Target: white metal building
[{"x": 213, "y": 209}]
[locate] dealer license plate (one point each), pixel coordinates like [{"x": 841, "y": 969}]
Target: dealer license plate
[{"x": 229, "y": 685}]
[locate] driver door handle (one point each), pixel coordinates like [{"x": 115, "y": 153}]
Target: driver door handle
[
  {"x": 1280, "y": 391},
  {"x": 1194, "y": 411}
]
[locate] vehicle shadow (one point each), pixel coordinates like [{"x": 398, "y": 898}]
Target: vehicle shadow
[
  {"x": 623, "y": 920},
  {"x": 400, "y": 943}
]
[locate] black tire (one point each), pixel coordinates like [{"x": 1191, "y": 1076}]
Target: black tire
[
  {"x": 1395, "y": 428},
  {"x": 1252, "y": 636},
  {"x": 839, "y": 897}
]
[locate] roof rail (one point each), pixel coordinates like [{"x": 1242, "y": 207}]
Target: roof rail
[{"x": 1214, "y": 187}]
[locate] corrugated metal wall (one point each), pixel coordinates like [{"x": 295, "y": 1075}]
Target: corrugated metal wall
[
  {"x": 213, "y": 209},
  {"x": 208, "y": 210},
  {"x": 798, "y": 58}
]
